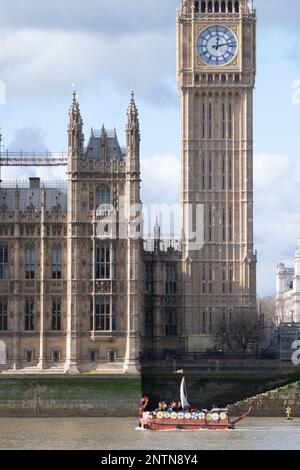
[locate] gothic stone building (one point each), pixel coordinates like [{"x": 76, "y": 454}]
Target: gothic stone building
[
  {"x": 288, "y": 291},
  {"x": 78, "y": 292}
]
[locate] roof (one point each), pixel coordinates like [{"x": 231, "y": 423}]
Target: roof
[
  {"x": 104, "y": 145},
  {"x": 32, "y": 198}
]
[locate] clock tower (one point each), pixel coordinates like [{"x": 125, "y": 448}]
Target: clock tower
[{"x": 216, "y": 68}]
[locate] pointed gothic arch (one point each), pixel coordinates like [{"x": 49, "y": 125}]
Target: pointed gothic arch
[{"x": 103, "y": 195}]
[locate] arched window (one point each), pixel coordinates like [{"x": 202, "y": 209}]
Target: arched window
[
  {"x": 196, "y": 7},
  {"x": 229, "y": 7},
  {"x": 210, "y": 8},
  {"x": 230, "y": 224},
  {"x": 203, "y": 7},
  {"x": 209, "y": 121},
  {"x": 56, "y": 262},
  {"x": 102, "y": 261},
  {"x": 223, "y": 78},
  {"x": 29, "y": 315},
  {"x": 217, "y": 7},
  {"x": 223, "y": 122},
  {"x": 103, "y": 195},
  {"x": 223, "y": 7},
  {"x": 210, "y": 171},
  {"x": 170, "y": 322},
  {"x": 210, "y": 78},
  {"x": 224, "y": 225},
  {"x": 237, "y": 7},
  {"x": 30, "y": 262},
  {"x": 203, "y": 120},
  {"x": 171, "y": 279},
  {"x": 210, "y": 322},
  {"x": 56, "y": 314},
  {"x": 4, "y": 264},
  {"x": 203, "y": 322},
  {"x": 230, "y": 121},
  {"x": 3, "y": 315}
]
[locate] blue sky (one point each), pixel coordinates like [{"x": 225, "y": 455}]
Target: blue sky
[{"x": 108, "y": 47}]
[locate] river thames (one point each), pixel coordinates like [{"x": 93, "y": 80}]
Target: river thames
[{"x": 121, "y": 434}]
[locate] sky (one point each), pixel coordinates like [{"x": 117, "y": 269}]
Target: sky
[{"x": 109, "y": 47}]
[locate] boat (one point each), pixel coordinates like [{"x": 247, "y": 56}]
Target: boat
[{"x": 186, "y": 418}]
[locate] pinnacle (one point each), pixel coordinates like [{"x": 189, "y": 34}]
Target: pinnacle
[
  {"x": 75, "y": 109},
  {"x": 132, "y": 110}
]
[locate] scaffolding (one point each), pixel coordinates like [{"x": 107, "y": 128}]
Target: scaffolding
[{"x": 26, "y": 159}]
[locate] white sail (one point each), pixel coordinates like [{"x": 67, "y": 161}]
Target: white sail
[{"x": 183, "y": 395}]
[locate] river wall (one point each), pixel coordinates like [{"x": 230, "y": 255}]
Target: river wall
[
  {"x": 62, "y": 396},
  {"x": 272, "y": 403},
  {"x": 119, "y": 396}
]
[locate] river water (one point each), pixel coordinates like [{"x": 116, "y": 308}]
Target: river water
[{"x": 114, "y": 434}]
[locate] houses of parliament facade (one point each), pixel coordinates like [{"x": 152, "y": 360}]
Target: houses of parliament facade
[{"x": 80, "y": 293}]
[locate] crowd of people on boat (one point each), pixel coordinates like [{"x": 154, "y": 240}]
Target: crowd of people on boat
[
  {"x": 171, "y": 407},
  {"x": 176, "y": 407}
]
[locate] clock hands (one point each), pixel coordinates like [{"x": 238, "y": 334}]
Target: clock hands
[{"x": 217, "y": 46}]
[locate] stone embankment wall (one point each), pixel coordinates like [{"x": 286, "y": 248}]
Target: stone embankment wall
[
  {"x": 271, "y": 404},
  {"x": 61, "y": 396},
  {"x": 61, "y": 408}
]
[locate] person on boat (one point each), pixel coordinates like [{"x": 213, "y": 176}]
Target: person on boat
[
  {"x": 164, "y": 406},
  {"x": 144, "y": 405},
  {"x": 173, "y": 406}
]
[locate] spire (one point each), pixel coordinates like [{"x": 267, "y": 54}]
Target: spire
[
  {"x": 156, "y": 236},
  {"x": 75, "y": 129},
  {"x": 103, "y": 133},
  {"x": 156, "y": 230},
  {"x": 74, "y": 113},
  {"x": 133, "y": 128},
  {"x": 132, "y": 109}
]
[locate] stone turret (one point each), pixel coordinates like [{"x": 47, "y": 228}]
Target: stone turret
[
  {"x": 133, "y": 137},
  {"x": 75, "y": 130}
]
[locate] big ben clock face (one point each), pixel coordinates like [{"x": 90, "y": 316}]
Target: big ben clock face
[{"x": 217, "y": 45}]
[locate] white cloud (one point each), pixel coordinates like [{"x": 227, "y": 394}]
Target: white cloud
[
  {"x": 113, "y": 17},
  {"x": 277, "y": 215},
  {"x": 29, "y": 140},
  {"x": 45, "y": 63},
  {"x": 269, "y": 168},
  {"x": 161, "y": 179}
]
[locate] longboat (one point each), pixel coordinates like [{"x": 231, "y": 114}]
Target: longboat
[{"x": 186, "y": 419}]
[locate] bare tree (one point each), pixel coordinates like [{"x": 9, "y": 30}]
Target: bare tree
[
  {"x": 238, "y": 334},
  {"x": 267, "y": 311}
]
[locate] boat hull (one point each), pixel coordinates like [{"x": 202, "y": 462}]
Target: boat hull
[
  {"x": 152, "y": 423},
  {"x": 164, "y": 425}
]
